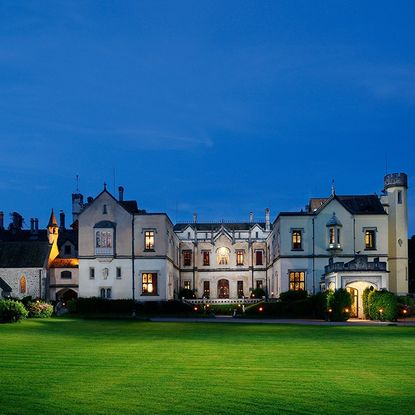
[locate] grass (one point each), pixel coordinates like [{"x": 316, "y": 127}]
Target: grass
[{"x": 69, "y": 366}]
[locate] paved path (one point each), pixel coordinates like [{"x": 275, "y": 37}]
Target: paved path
[{"x": 310, "y": 322}]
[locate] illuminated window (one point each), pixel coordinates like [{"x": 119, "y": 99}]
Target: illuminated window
[
  {"x": 223, "y": 256},
  {"x": 206, "y": 289},
  {"x": 187, "y": 258},
  {"x": 259, "y": 257},
  {"x": 240, "y": 289},
  {"x": 332, "y": 236},
  {"x": 66, "y": 275},
  {"x": 297, "y": 281},
  {"x": 296, "y": 239},
  {"x": 104, "y": 242},
  {"x": 149, "y": 283},
  {"x": 206, "y": 258},
  {"x": 187, "y": 285},
  {"x": 239, "y": 258},
  {"x": 149, "y": 240},
  {"x": 22, "y": 285},
  {"x": 370, "y": 239}
]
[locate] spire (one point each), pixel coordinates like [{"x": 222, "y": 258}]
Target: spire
[
  {"x": 105, "y": 185},
  {"x": 52, "y": 221},
  {"x": 333, "y": 188}
]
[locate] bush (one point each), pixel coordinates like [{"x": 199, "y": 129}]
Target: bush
[
  {"x": 96, "y": 305},
  {"x": 339, "y": 303},
  {"x": 406, "y": 300},
  {"x": 39, "y": 309},
  {"x": 12, "y": 311},
  {"x": 383, "y": 305},
  {"x": 293, "y": 295},
  {"x": 186, "y": 294},
  {"x": 365, "y": 300},
  {"x": 258, "y": 293},
  {"x": 293, "y": 309},
  {"x": 319, "y": 304}
]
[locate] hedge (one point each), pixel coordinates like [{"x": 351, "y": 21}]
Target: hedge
[
  {"x": 96, "y": 305},
  {"x": 12, "y": 311},
  {"x": 280, "y": 309},
  {"x": 292, "y": 295},
  {"x": 339, "y": 304},
  {"x": 383, "y": 305}
]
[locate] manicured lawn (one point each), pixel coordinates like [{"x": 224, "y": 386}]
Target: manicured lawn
[{"x": 65, "y": 366}]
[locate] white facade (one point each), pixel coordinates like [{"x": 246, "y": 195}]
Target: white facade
[{"x": 230, "y": 260}]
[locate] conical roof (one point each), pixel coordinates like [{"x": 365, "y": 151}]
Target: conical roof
[{"x": 52, "y": 221}]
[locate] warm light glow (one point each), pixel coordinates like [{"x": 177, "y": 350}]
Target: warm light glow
[
  {"x": 195, "y": 309},
  {"x": 261, "y": 309},
  {"x": 330, "y": 310},
  {"x": 405, "y": 311},
  {"x": 381, "y": 310},
  {"x": 346, "y": 310},
  {"x": 223, "y": 256}
]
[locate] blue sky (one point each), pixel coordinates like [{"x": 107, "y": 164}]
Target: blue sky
[{"x": 219, "y": 107}]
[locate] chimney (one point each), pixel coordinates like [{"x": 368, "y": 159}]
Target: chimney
[
  {"x": 32, "y": 225},
  {"x": 36, "y": 224},
  {"x": 61, "y": 220},
  {"x": 251, "y": 217},
  {"x": 1, "y": 220},
  {"x": 120, "y": 193},
  {"x": 90, "y": 199},
  {"x": 195, "y": 217},
  {"x": 267, "y": 219}
]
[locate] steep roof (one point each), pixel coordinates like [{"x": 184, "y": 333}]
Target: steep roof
[
  {"x": 4, "y": 286},
  {"x": 52, "y": 220},
  {"x": 26, "y": 254},
  {"x": 360, "y": 205}
]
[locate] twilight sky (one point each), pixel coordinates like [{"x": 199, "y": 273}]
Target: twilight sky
[{"x": 219, "y": 107}]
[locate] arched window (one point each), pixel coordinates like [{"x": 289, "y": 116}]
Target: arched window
[
  {"x": 223, "y": 256},
  {"x": 22, "y": 285},
  {"x": 66, "y": 275}
]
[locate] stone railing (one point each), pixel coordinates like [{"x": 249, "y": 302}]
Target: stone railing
[{"x": 223, "y": 301}]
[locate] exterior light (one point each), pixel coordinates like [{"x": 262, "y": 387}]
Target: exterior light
[
  {"x": 330, "y": 310},
  {"x": 405, "y": 311},
  {"x": 346, "y": 310},
  {"x": 381, "y": 310},
  {"x": 261, "y": 309},
  {"x": 195, "y": 309}
]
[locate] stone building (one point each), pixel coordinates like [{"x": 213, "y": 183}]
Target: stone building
[{"x": 340, "y": 241}]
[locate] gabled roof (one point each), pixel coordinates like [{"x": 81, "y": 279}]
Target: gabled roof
[
  {"x": 70, "y": 235},
  {"x": 4, "y": 286},
  {"x": 360, "y": 205},
  {"x": 26, "y": 254}
]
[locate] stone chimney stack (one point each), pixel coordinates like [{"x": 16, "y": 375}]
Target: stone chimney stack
[
  {"x": 62, "y": 220},
  {"x": 1, "y": 220},
  {"x": 32, "y": 225},
  {"x": 120, "y": 193},
  {"x": 251, "y": 217},
  {"x": 195, "y": 217},
  {"x": 267, "y": 219},
  {"x": 36, "y": 224}
]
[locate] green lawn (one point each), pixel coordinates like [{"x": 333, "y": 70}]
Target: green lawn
[{"x": 69, "y": 366}]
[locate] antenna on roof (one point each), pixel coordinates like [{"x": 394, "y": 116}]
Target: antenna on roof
[{"x": 333, "y": 188}]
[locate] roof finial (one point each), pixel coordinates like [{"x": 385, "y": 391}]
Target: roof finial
[
  {"x": 333, "y": 188},
  {"x": 105, "y": 185}
]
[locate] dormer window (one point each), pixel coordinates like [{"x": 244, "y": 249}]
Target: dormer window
[{"x": 334, "y": 225}]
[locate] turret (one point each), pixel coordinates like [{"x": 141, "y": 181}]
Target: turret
[
  {"x": 53, "y": 234},
  {"x": 396, "y": 189},
  {"x": 77, "y": 205}
]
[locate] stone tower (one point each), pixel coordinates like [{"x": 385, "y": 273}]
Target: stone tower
[
  {"x": 396, "y": 189},
  {"x": 53, "y": 235}
]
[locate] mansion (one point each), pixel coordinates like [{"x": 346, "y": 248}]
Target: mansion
[{"x": 340, "y": 241}]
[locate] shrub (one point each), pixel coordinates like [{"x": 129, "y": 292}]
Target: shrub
[
  {"x": 293, "y": 295},
  {"x": 224, "y": 309},
  {"x": 365, "y": 300},
  {"x": 340, "y": 303},
  {"x": 258, "y": 293},
  {"x": 39, "y": 309},
  {"x": 12, "y": 311},
  {"x": 280, "y": 309},
  {"x": 319, "y": 304},
  {"x": 187, "y": 294},
  {"x": 383, "y": 305},
  {"x": 406, "y": 300}
]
